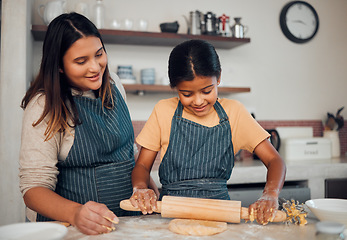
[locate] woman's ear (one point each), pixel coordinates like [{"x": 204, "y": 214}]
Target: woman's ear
[{"x": 61, "y": 70}]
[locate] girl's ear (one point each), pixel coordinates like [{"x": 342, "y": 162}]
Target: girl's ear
[
  {"x": 61, "y": 70},
  {"x": 220, "y": 75}
]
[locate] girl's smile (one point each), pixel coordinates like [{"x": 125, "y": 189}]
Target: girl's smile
[{"x": 198, "y": 95}]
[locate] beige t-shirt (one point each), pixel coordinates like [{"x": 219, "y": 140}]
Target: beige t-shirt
[{"x": 245, "y": 130}]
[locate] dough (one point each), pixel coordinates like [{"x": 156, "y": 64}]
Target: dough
[{"x": 196, "y": 227}]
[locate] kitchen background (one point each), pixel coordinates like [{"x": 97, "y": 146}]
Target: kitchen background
[{"x": 291, "y": 84}]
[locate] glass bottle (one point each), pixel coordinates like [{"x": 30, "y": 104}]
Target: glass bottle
[{"x": 99, "y": 14}]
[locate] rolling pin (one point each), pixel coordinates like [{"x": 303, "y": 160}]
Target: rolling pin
[{"x": 202, "y": 209}]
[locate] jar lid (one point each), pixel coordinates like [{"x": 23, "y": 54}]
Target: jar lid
[{"x": 330, "y": 227}]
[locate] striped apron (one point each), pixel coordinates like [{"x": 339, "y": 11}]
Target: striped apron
[
  {"x": 199, "y": 159},
  {"x": 99, "y": 165}
]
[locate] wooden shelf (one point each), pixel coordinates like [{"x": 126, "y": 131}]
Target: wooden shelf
[
  {"x": 142, "y": 88},
  {"x": 151, "y": 38},
  {"x": 157, "y": 39}
]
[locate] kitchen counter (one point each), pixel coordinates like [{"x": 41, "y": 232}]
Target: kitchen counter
[
  {"x": 156, "y": 227},
  {"x": 313, "y": 171},
  {"x": 246, "y": 171}
]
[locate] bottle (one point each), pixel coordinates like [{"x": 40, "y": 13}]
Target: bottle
[{"x": 99, "y": 14}]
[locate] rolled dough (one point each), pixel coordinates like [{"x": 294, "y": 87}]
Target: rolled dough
[{"x": 196, "y": 227}]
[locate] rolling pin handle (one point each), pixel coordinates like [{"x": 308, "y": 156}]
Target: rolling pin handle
[
  {"x": 126, "y": 205},
  {"x": 280, "y": 216}
]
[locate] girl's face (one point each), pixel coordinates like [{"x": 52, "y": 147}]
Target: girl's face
[
  {"x": 198, "y": 95},
  {"x": 84, "y": 63}
]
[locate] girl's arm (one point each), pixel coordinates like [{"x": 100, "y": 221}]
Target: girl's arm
[
  {"x": 143, "y": 197},
  {"x": 267, "y": 205},
  {"x": 88, "y": 218}
]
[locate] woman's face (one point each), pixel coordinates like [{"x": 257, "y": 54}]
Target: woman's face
[
  {"x": 198, "y": 95},
  {"x": 84, "y": 63}
]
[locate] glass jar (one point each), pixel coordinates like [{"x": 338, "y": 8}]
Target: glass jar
[{"x": 99, "y": 14}]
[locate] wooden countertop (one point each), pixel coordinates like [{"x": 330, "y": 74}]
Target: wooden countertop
[{"x": 156, "y": 227}]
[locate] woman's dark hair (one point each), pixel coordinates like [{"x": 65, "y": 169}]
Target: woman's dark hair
[
  {"x": 62, "y": 32},
  {"x": 193, "y": 58}
]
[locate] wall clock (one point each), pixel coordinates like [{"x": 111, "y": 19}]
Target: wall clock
[{"x": 299, "y": 21}]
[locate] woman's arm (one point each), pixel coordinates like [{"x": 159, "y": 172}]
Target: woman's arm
[
  {"x": 88, "y": 218},
  {"x": 143, "y": 197},
  {"x": 267, "y": 205}
]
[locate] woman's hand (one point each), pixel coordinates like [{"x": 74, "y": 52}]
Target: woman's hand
[
  {"x": 264, "y": 209},
  {"x": 94, "y": 218},
  {"x": 144, "y": 199}
]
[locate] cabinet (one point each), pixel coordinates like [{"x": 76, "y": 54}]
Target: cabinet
[{"x": 111, "y": 36}]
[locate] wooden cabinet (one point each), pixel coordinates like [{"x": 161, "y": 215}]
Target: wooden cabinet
[{"x": 111, "y": 36}]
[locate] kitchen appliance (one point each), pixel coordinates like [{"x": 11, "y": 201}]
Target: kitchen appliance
[
  {"x": 298, "y": 143},
  {"x": 51, "y": 10},
  {"x": 202, "y": 209},
  {"x": 248, "y": 193},
  {"x": 238, "y": 30},
  {"x": 211, "y": 24},
  {"x": 224, "y": 25},
  {"x": 193, "y": 22}
]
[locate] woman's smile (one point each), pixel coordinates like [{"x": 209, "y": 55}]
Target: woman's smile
[{"x": 95, "y": 77}]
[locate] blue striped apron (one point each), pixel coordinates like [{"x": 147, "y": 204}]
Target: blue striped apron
[
  {"x": 199, "y": 159},
  {"x": 99, "y": 164}
]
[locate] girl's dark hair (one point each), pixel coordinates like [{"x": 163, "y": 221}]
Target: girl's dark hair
[
  {"x": 193, "y": 58},
  {"x": 62, "y": 32}
]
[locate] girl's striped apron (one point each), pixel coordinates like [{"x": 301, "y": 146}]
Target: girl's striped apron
[
  {"x": 99, "y": 164},
  {"x": 199, "y": 159}
]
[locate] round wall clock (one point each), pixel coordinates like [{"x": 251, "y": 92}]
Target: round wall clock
[{"x": 299, "y": 21}]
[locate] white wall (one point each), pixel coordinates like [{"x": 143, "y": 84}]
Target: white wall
[
  {"x": 288, "y": 81},
  {"x": 15, "y": 54}
]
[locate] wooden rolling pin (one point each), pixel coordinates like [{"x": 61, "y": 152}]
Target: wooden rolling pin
[{"x": 202, "y": 209}]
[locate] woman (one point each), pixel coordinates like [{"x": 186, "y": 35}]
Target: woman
[{"x": 77, "y": 149}]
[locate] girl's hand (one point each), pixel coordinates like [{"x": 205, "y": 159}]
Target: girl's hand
[
  {"x": 94, "y": 218},
  {"x": 264, "y": 209},
  {"x": 144, "y": 199}
]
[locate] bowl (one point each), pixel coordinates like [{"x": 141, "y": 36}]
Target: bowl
[
  {"x": 170, "y": 27},
  {"x": 329, "y": 209},
  {"x": 33, "y": 231}
]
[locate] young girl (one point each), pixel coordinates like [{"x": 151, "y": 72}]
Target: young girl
[
  {"x": 77, "y": 149},
  {"x": 198, "y": 135}
]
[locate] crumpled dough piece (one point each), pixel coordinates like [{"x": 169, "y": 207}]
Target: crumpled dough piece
[{"x": 196, "y": 227}]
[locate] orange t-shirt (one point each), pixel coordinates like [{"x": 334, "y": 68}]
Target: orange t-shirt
[{"x": 246, "y": 133}]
